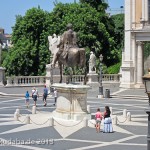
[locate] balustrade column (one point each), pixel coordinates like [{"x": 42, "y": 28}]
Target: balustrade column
[
  {"x": 41, "y": 80},
  {"x": 15, "y": 81},
  {"x": 9, "y": 79},
  {"x": 115, "y": 78}
]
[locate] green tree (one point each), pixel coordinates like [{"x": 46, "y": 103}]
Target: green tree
[
  {"x": 4, "y": 54},
  {"x": 30, "y": 53},
  {"x": 30, "y": 48},
  {"x": 146, "y": 49},
  {"x": 95, "y": 28},
  {"x": 119, "y": 40},
  {"x": 99, "y": 5},
  {"x": 119, "y": 30}
]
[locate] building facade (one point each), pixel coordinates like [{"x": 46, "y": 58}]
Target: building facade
[
  {"x": 5, "y": 39},
  {"x": 137, "y": 31}
]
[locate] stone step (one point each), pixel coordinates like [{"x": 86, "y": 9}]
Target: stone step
[{"x": 129, "y": 96}]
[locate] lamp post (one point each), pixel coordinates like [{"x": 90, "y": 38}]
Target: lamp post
[
  {"x": 146, "y": 79},
  {"x": 100, "y": 78},
  {"x": 121, "y": 7}
]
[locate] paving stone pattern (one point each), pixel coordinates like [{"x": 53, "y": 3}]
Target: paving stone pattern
[{"x": 127, "y": 135}]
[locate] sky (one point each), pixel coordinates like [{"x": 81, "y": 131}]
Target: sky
[{"x": 10, "y": 8}]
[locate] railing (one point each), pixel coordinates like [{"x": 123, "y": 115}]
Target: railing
[
  {"x": 77, "y": 78},
  {"x": 41, "y": 80},
  {"x": 111, "y": 78},
  {"x": 25, "y": 80}
]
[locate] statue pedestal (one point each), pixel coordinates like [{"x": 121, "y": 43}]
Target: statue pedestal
[
  {"x": 52, "y": 73},
  {"x": 2, "y": 76},
  {"x": 92, "y": 78},
  {"x": 71, "y": 102}
]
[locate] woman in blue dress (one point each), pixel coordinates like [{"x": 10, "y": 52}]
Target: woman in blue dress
[{"x": 107, "y": 121}]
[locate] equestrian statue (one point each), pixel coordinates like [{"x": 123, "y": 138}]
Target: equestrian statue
[{"x": 68, "y": 53}]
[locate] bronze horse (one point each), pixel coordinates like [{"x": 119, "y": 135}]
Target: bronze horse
[{"x": 75, "y": 58}]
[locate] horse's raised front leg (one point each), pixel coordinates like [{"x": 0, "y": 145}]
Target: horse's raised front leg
[{"x": 85, "y": 76}]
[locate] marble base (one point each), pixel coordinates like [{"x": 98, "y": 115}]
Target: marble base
[
  {"x": 52, "y": 74},
  {"x": 71, "y": 115},
  {"x": 92, "y": 78},
  {"x": 139, "y": 86},
  {"x": 71, "y": 101},
  {"x": 100, "y": 96},
  {"x": 127, "y": 85}
]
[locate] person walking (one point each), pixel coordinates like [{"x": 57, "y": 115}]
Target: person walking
[
  {"x": 55, "y": 96},
  {"x": 27, "y": 99},
  {"x": 45, "y": 93},
  {"x": 107, "y": 121},
  {"x": 35, "y": 95},
  {"x": 98, "y": 118}
]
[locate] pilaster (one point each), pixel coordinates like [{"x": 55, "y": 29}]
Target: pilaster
[
  {"x": 127, "y": 67},
  {"x": 139, "y": 74}
]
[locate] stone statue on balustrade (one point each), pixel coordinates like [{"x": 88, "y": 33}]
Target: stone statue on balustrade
[
  {"x": 92, "y": 63},
  {"x": 53, "y": 42}
]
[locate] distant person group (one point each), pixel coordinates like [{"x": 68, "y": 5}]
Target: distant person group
[
  {"x": 106, "y": 120},
  {"x": 35, "y": 96}
]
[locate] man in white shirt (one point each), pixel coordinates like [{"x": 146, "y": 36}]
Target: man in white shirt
[
  {"x": 35, "y": 95},
  {"x": 55, "y": 96}
]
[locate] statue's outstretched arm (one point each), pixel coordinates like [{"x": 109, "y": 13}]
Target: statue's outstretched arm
[{"x": 49, "y": 39}]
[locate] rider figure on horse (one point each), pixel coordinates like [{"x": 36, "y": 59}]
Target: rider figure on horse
[{"x": 68, "y": 40}]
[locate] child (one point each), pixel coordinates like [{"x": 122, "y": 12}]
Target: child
[
  {"x": 98, "y": 118},
  {"x": 27, "y": 98}
]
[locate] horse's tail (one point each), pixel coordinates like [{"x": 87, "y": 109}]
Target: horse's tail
[{"x": 82, "y": 57}]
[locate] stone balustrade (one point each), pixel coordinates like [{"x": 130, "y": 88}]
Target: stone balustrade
[
  {"x": 41, "y": 80},
  {"x": 111, "y": 78},
  {"x": 77, "y": 78},
  {"x": 25, "y": 80}
]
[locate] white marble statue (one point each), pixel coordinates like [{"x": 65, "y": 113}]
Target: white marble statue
[
  {"x": 92, "y": 62},
  {"x": 53, "y": 42}
]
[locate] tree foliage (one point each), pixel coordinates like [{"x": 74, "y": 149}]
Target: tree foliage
[
  {"x": 94, "y": 27},
  {"x": 29, "y": 53},
  {"x": 99, "y": 5},
  {"x": 146, "y": 49},
  {"x": 119, "y": 29},
  {"x": 114, "y": 69}
]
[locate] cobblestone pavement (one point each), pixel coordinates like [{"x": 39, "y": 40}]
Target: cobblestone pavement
[
  {"x": 71, "y": 135},
  {"x": 93, "y": 92}
]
